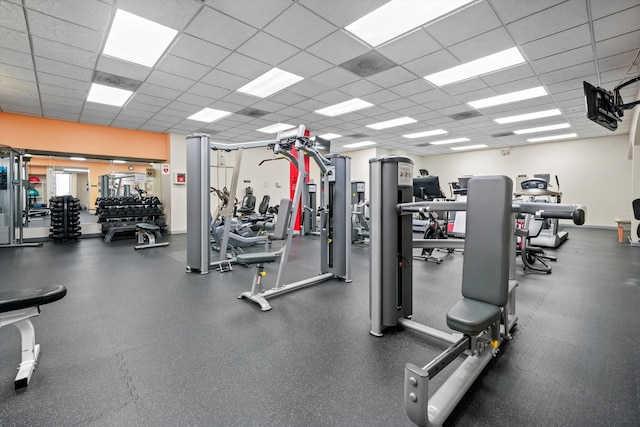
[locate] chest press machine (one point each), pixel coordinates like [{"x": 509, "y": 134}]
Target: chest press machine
[
  {"x": 485, "y": 316},
  {"x": 16, "y": 308}
]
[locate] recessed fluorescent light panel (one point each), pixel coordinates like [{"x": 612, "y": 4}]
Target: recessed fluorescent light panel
[
  {"x": 392, "y": 123},
  {"x": 553, "y": 137},
  {"x": 275, "y": 128},
  {"x": 330, "y": 136},
  {"x": 77, "y": 159},
  {"x": 137, "y": 40},
  {"x": 119, "y": 161},
  {"x": 426, "y": 133},
  {"x": 359, "y": 144},
  {"x": 469, "y": 147},
  {"x": 208, "y": 115},
  {"x": 520, "y": 95},
  {"x": 529, "y": 116},
  {"x": 449, "y": 141},
  {"x": 108, "y": 95},
  {"x": 397, "y": 17},
  {"x": 75, "y": 170},
  {"x": 344, "y": 107},
  {"x": 269, "y": 83},
  {"x": 488, "y": 64},
  {"x": 542, "y": 128}
]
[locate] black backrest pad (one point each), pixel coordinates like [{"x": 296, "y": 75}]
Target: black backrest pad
[
  {"x": 284, "y": 214},
  {"x": 25, "y": 298},
  {"x": 489, "y": 230},
  {"x": 636, "y": 208},
  {"x": 264, "y": 204}
]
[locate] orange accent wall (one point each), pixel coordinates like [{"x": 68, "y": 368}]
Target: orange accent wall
[{"x": 36, "y": 133}]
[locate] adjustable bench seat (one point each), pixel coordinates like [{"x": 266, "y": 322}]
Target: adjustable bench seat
[
  {"x": 256, "y": 258},
  {"x": 148, "y": 233},
  {"x": 471, "y": 317},
  {"x": 16, "y": 307}
]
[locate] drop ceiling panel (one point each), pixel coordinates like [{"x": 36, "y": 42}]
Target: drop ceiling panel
[
  {"x": 600, "y": 9},
  {"x": 618, "y": 44},
  {"x": 92, "y": 14},
  {"x": 410, "y": 47},
  {"x": 305, "y": 65},
  {"x": 466, "y": 86},
  {"x": 268, "y": 49},
  {"x": 61, "y": 115},
  {"x": 158, "y": 91},
  {"x": 59, "y": 91},
  {"x": 221, "y": 79},
  {"x": 469, "y": 22},
  {"x": 220, "y": 29},
  {"x": 44, "y": 65},
  {"x": 149, "y": 100},
  {"x": 15, "y": 58},
  {"x": 46, "y": 26},
  {"x": 335, "y": 77},
  {"x": 569, "y": 73},
  {"x": 549, "y": 21},
  {"x": 64, "y": 53},
  {"x": 432, "y": 63},
  {"x": 17, "y": 72},
  {"x": 63, "y": 82},
  {"x": 255, "y": 13},
  {"x": 183, "y": 67},
  {"x": 287, "y": 98},
  {"x": 243, "y": 66},
  {"x": 61, "y": 100},
  {"x": 15, "y": 40},
  {"x": 360, "y": 88},
  {"x": 559, "y": 42},
  {"x": 172, "y": 81},
  {"x": 482, "y": 45},
  {"x": 411, "y": 87},
  {"x": 199, "y": 51},
  {"x": 338, "y": 48},
  {"x": 510, "y": 10},
  {"x": 122, "y": 68},
  {"x": 12, "y": 17},
  {"x": 618, "y": 61},
  {"x": 563, "y": 60},
  {"x": 308, "y": 88},
  {"x": 392, "y": 77},
  {"x": 341, "y": 13},
  {"x": 299, "y": 27},
  {"x": 518, "y": 72},
  {"x": 617, "y": 24},
  {"x": 174, "y": 14}
]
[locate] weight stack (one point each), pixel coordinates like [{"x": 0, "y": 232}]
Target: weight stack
[{"x": 65, "y": 218}]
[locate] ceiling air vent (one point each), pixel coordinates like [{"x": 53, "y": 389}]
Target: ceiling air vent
[
  {"x": 502, "y": 134},
  {"x": 112, "y": 80},
  {"x": 357, "y": 135},
  {"x": 368, "y": 64},
  {"x": 465, "y": 115},
  {"x": 252, "y": 112}
]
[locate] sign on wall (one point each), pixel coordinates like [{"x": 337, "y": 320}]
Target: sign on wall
[{"x": 165, "y": 169}]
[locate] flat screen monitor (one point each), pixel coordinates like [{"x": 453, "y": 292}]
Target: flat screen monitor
[
  {"x": 600, "y": 106},
  {"x": 427, "y": 188}
]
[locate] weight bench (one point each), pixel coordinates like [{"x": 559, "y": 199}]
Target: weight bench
[
  {"x": 148, "y": 233},
  {"x": 16, "y": 307},
  {"x": 483, "y": 312},
  {"x": 256, "y": 294}
]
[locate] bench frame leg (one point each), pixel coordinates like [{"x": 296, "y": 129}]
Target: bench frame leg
[
  {"x": 256, "y": 289},
  {"x": 151, "y": 239},
  {"x": 30, "y": 350}
]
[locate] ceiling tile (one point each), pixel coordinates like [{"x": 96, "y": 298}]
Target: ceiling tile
[
  {"x": 469, "y": 22},
  {"x": 411, "y": 87},
  {"x": 182, "y": 67},
  {"x": 268, "y": 49},
  {"x": 220, "y": 29},
  {"x": 7, "y": 70},
  {"x": 224, "y": 80},
  {"x": 158, "y": 91},
  {"x": 335, "y": 77},
  {"x": 44, "y": 65},
  {"x": 559, "y": 42},
  {"x": 268, "y": 105},
  {"x": 287, "y": 98},
  {"x": 563, "y": 60},
  {"x": 618, "y": 44},
  {"x": 46, "y": 26},
  {"x": 61, "y": 100},
  {"x": 12, "y": 17},
  {"x": 15, "y": 40},
  {"x": 549, "y": 21},
  {"x": 398, "y": 104},
  {"x": 510, "y": 74},
  {"x": 199, "y": 51},
  {"x": 338, "y": 48},
  {"x": 240, "y": 99},
  {"x": 61, "y": 115},
  {"x": 122, "y": 68},
  {"x": 482, "y": 45},
  {"x": 360, "y": 88},
  {"x": 214, "y": 93},
  {"x": 255, "y": 13},
  {"x": 88, "y": 13},
  {"x": 305, "y": 65},
  {"x": 341, "y": 13},
  {"x": 314, "y": 27},
  {"x": 392, "y": 77},
  {"x": 432, "y": 63},
  {"x": 243, "y": 66},
  {"x": 308, "y": 88},
  {"x": 569, "y": 73},
  {"x": 464, "y": 86},
  {"x": 174, "y": 14},
  {"x": 600, "y": 9},
  {"x": 56, "y": 80},
  {"x": 172, "y": 81},
  {"x": 617, "y": 24},
  {"x": 510, "y": 10},
  {"x": 62, "y": 91},
  {"x": 193, "y": 99},
  {"x": 412, "y": 46},
  {"x": 15, "y": 58},
  {"x": 293, "y": 111},
  {"x": 64, "y": 53}
]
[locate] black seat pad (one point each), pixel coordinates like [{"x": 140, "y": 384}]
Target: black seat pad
[
  {"x": 147, "y": 226},
  {"x": 24, "y": 298}
]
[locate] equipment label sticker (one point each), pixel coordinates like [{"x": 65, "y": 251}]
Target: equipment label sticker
[{"x": 405, "y": 174}]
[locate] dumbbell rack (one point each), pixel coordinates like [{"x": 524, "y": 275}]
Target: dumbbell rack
[
  {"x": 65, "y": 218},
  {"x": 121, "y": 214}
]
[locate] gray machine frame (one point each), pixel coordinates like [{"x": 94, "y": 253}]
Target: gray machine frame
[{"x": 391, "y": 285}]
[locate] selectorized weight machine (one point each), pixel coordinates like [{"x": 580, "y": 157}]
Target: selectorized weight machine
[
  {"x": 335, "y": 224},
  {"x": 485, "y": 316}
]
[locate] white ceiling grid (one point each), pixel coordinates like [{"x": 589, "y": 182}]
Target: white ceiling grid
[{"x": 49, "y": 51}]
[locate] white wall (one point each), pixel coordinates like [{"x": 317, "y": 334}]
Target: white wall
[
  {"x": 595, "y": 172},
  {"x": 174, "y": 196},
  {"x": 360, "y": 166}
]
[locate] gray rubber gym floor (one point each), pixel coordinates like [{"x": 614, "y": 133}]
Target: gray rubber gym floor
[{"x": 138, "y": 341}]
